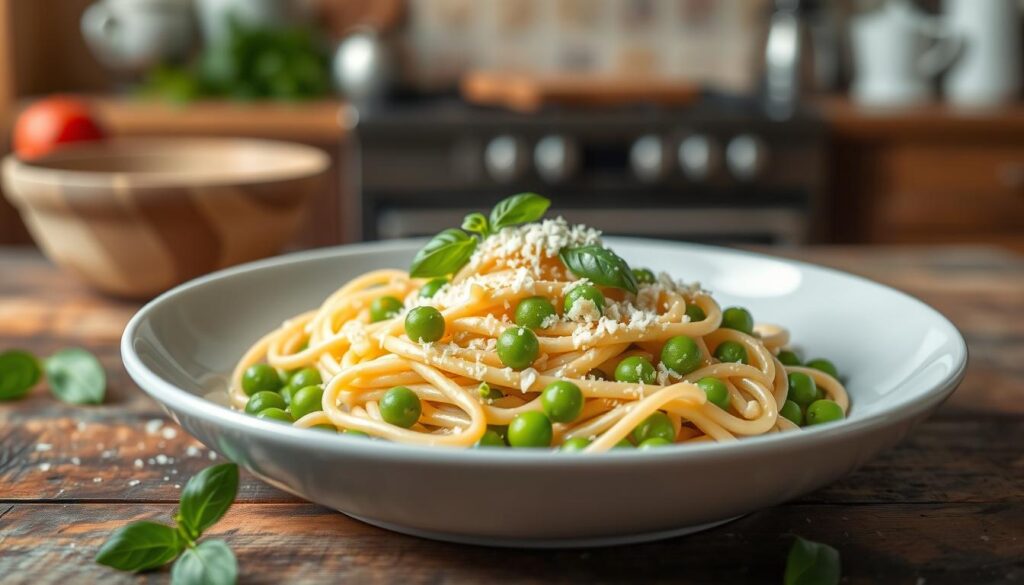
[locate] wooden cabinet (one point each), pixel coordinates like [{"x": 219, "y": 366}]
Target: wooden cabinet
[{"x": 930, "y": 175}]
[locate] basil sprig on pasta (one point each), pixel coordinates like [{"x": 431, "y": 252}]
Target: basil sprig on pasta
[
  {"x": 451, "y": 249},
  {"x": 600, "y": 266}
]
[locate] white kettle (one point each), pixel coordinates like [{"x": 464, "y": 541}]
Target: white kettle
[
  {"x": 989, "y": 71},
  {"x": 897, "y": 51}
]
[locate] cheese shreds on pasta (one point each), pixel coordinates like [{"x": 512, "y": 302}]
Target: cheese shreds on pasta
[{"x": 359, "y": 360}]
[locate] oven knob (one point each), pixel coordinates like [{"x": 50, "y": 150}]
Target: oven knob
[
  {"x": 556, "y": 158},
  {"x": 746, "y": 157},
  {"x": 699, "y": 157},
  {"x": 648, "y": 159},
  {"x": 505, "y": 158}
]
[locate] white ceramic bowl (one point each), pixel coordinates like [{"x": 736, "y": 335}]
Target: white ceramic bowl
[{"x": 900, "y": 359}]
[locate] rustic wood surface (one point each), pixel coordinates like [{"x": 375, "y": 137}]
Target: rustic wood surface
[{"x": 946, "y": 506}]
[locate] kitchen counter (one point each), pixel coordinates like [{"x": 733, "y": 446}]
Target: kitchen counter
[
  {"x": 850, "y": 121},
  {"x": 946, "y": 506},
  {"x": 322, "y": 121}
]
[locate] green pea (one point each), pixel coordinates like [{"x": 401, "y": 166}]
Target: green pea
[
  {"x": 491, "y": 439},
  {"x": 623, "y": 444},
  {"x": 325, "y": 427},
  {"x": 355, "y": 433},
  {"x": 802, "y": 389},
  {"x": 532, "y": 312},
  {"x": 653, "y": 443},
  {"x": 287, "y": 393},
  {"x": 260, "y": 378},
  {"x": 530, "y": 429},
  {"x": 635, "y": 368},
  {"x": 656, "y": 425},
  {"x": 739, "y": 319},
  {"x": 788, "y": 358},
  {"x": 643, "y": 276},
  {"x": 384, "y": 308},
  {"x": 731, "y": 351},
  {"x": 518, "y": 347},
  {"x": 580, "y": 293},
  {"x": 428, "y": 290},
  {"x": 793, "y": 412},
  {"x": 823, "y": 411},
  {"x": 424, "y": 324},
  {"x": 305, "y": 377},
  {"x": 681, "y": 354},
  {"x": 502, "y": 431},
  {"x": 716, "y": 391},
  {"x": 562, "y": 401},
  {"x": 264, "y": 400},
  {"x": 285, "y": 375},
  {"x": 823, "y": 365},
  {"x": 400, "y": 407},
  {"x": 575, "y": 444},
  {"x": 307, "y": 400},
  {"x": 275, "y": 414},
  {"x": 488, "y": 393},
  {"x": 695, "y": 313}
]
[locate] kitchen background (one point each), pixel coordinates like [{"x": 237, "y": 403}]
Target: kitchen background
[{"x": 728, "y": 121}]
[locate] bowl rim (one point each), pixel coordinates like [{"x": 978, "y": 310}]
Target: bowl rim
[
  {"x": 178, "y": 399},
  {"x": 312, "y": 162}
]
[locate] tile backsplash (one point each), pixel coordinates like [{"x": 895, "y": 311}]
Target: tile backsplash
[{"x": 716, "y": 42}]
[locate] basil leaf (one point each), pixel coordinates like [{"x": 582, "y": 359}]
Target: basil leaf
[
  {"x": 517, "y": 209},
  {"x": 476, "y": 223},
  {"x": 210, "y": 562},
  {"x": 76, "y": 376},
  {"x": 444, "y": 254},
  {"x": 207, "y": 496},
  {"x": 140, "y": 546},
  {"x": 600, "y": 266},
  {"x": 812, "y": 563},
  {"x": 19, "y": 372}
]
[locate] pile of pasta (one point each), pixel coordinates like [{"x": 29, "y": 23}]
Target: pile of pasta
[{"x": 360, "y": 360}]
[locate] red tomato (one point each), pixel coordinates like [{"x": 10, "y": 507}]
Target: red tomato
[{"x": 50, "y": 122}]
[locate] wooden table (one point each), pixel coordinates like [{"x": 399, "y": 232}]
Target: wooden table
[{"x": 946, "y": 506}]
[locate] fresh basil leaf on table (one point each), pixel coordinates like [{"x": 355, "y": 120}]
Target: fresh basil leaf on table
[
  {"x": 600, "y": 266},
  {"x": 209, "y": 563},
  {"x": 19, "y": 373},
  {"x": 812, "y": 563},
  {"x": 518, "y": 209},
  {"x": 140, "y": 546},
  {"x": 206, "y": 497},
  {"x": 146, "y": 545},
  {"x": 444, "y": 254},
  {"x": 76, "y": 376}
]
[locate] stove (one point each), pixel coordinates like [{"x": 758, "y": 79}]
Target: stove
[{"x": 721, "y": 170}]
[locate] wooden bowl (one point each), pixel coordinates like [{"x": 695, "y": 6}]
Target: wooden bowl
[{"x": 135, "y": 217}]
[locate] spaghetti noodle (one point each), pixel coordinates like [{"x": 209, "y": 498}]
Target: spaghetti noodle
[{"x": 464, "y": 393}]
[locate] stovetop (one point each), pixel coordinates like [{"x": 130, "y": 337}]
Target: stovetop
[{"x": 710, "y": 108}]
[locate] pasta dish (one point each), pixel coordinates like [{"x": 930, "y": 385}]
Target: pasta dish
[{"x": 519, "y": 331}]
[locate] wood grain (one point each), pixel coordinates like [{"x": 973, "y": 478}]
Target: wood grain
[
  {"x": 293, "y": 543},
  {"x": 945, "y": 506}
]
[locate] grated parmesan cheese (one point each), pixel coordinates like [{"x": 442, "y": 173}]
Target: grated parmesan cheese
[{"x": 526, "y": 379}]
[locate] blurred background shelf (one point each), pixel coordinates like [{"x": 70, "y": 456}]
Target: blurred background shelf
[{"x": 325, "y": 122}]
